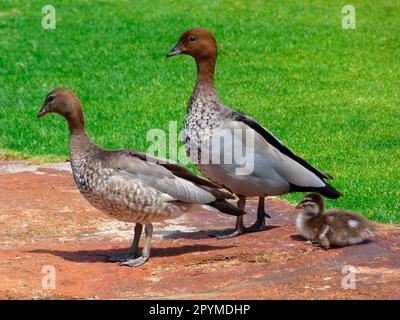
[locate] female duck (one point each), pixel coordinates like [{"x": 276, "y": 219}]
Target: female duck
[{"x": 128, "y": 185}]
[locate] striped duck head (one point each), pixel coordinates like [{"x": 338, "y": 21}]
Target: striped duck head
[
  {"x": 198, "y": 43},
  {"x": 312, "y": 203},
  {"x": 64, "y": 102}
]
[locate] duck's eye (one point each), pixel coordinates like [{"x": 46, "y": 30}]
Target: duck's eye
[
  {"x": 50, "y": 99},
  {"x": 192, "y": 38}
]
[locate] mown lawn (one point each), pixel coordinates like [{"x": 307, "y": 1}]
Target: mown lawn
[{"x": 331, "y": 94}]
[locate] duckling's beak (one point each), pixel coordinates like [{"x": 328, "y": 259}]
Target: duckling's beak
[
  {"x": 176, "y": 50},
  {"x": 299, "y": 206},
  {"x": 42, "y": 111}
]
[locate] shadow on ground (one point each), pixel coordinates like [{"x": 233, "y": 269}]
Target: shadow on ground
[{"x": 100, "y": 255}]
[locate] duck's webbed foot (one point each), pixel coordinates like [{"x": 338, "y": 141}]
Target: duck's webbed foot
[
  {"x": 134, "y": 262},
  {"x": 259, "y": 225},
  {"x": 133, "y": 251}
]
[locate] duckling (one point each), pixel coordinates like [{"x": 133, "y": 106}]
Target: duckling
[
  {"x": 129, "y": 185},
  {"x": 331, "y": 228},
  {"x": 276, "y": 169}
]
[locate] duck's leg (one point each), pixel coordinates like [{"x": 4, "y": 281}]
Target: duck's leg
[
  {"x": 132, "y": 253},
  {"x": 146, "y": 249},
  {"x": 259, "y": 225},
  {"x": 239, "y": 221}
]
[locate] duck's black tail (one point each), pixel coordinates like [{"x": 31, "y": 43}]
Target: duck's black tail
[
  {"x": 226, "y": 207},
  {"x": 327, "y": 191}
]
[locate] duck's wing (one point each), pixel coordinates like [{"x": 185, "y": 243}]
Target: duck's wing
[
  {"x": 274, "y": 141},
  {"x": 131, "y": 166},
  {"x": 301, "y": 176},
  {"x": 181, "y": 171}
]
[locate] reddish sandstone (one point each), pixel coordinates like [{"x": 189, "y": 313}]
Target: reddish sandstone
[{"x": 44, "y": 221}]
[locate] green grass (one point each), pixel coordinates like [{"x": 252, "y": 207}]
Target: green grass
[{"x": 331, "y": 94}]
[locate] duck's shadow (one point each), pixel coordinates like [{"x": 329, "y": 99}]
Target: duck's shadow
[
  {"x": 207, "y": 234},
  {"x": 177, "y": 234},
  {"x": 297, "y": 237},
  {"x": 101, "y": 255},
  {"x": 204, "y": 234}
]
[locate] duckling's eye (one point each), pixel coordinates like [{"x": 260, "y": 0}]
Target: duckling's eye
[
  {"x": 50, "y": 99},
  {"x": 192, "y": 38}
]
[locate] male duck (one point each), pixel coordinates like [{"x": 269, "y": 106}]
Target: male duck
[{"x": 276, "y": 169}]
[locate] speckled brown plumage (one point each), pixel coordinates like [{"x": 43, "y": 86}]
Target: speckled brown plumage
[
  {"x": 129, "y": 185},
  {"x": 118, "y": 192}
]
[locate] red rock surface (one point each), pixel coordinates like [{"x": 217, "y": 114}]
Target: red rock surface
[{"x": 45, "y": 222}]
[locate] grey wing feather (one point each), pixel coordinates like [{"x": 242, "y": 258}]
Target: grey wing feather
[
  {"x": 156, "y": 176},
  {"x": 271, "y": 139}
]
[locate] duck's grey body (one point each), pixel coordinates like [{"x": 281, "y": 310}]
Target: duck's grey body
[
  {"x": 270, "y": 168},
  {"x": 273, "y": 173}
]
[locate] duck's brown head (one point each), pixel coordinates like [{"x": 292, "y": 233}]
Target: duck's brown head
[
  {"x": 198, "y": 43},
  {"x": 312, "y": 203},
  {"x": 64, "y": 102}
]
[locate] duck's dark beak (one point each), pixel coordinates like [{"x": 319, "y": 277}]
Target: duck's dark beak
[
  {"x": 176, "y": 50},
  {"x": 42, "y": 111},
  {"x": 299, "y": 206}
]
